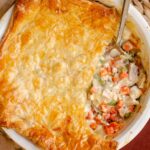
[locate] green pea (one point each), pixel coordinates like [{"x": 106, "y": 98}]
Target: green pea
[{"x": 112, "y": 103}]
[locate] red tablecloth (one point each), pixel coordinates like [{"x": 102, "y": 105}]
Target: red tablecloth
[{"x": 142, "y": 141}]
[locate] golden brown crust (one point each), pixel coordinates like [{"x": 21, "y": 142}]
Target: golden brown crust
[{"x": 47, "y": 60}]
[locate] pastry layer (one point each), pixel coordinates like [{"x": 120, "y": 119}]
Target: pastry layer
[{"x": 47, "y": 60}]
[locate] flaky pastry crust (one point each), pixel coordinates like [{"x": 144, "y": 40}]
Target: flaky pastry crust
[{"x": 47, "y": 60}]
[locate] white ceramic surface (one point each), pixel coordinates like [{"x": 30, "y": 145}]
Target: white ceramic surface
[{"x": 138, "y": 122}]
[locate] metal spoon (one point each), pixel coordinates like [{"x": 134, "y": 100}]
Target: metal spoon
[
  {"x": 124, "y": 15},
  {"x": 5, "y": 5},
  {"x": 117, "y": 43}
]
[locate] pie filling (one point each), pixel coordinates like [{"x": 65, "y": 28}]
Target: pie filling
[{"x": 116, "y": 89}]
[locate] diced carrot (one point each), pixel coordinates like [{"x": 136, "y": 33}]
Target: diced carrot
[
  {"x": 115, "y": 79},
  {"x": 93, "y": 90},
  {"x": 115, "y": 125},
  {"x": 103, "y": 72},
  {"x": 93, "y": 125},
  {"x": 131, "y": 108},
  {"x": 109, "y": 70},
  {"x": 113, "y": 117},
  {"x": 103, "y": 107},
  {"x": 89, "y": 115},
  {"x": 93, "y": 110},
  {"x": 119, "y": 104},
  {"x": 123, "y": 75},
  {"x": 112, "y": 128},
  {"x": 143, "y": 90},
  {"x": 106, "y": 116},
  {"x": 113, "y": 110},
  {"x": 109, "y": 130},
  {"x": 127, "y": 46},
  {"x": 139, "y": 108},
  {"x": 98, "y": 121},
  {"x": 113, "y": 62},
  {"x": 125, "y": 90}
]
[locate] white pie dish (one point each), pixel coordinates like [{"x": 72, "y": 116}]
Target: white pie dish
[{"x": 138, "y": 122}]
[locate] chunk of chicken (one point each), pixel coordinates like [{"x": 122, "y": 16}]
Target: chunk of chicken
[
  {"x": 133, "y": 74},
  {"x": 135, "y": 92}
]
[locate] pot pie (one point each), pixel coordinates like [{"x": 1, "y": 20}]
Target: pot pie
[{"x": 48, "y": 57}]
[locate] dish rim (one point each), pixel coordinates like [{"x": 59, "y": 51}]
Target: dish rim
[{"x": 125, "y": 136}]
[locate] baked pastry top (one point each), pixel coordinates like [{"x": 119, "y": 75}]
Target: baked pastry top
[{"x": 47, "y": 60}]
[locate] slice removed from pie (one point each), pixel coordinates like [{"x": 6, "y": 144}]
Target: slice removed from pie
[{"x": 47, "y": 60}]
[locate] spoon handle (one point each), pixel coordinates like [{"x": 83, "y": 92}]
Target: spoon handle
[
  {"x": 5, "y": 5},
  {"x": 124, "y": 15}
]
